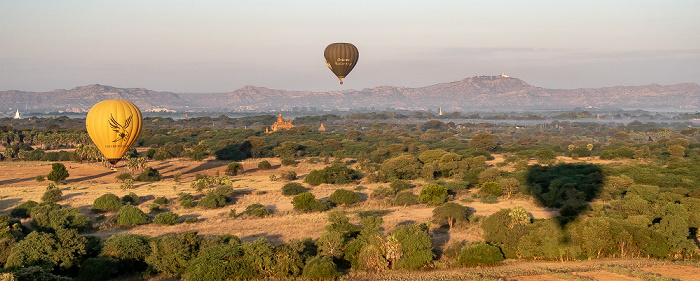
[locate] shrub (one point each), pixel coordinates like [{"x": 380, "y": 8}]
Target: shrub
[
  {"x": 51, "y": 216},
  {"x": 292, "y": 188},
  {"x": 130, "y": 198},
  {"x": 264, "y": 165},
  {"x": 107, "y": 202},
  {"x": 257, "y": 210},
  {"x": 288, "y": 162},
  {"x": 220, "y": 263},
  {"x": 489, "y": 199},
  {"x": 212, "y": 201},
  {"x": 130, "y": 249},
  {"x": 177, "y": 176},
  {"x": 303, "y": 201},
  {"x": 100, "y": 268},
  {"x": 40, "y": 178},
  {"x": 187, "y": 203},
  {"x": 343, "y": 196},
  {"x": 403, "y": 167},
  {"x": 52, "y": 194},
  {"x": 161, "y": 200},
  {"x": 24, "y": 209},
  {"x": 415, "y": 246},
  {"x": 406, "y": 198},
  {"x": 456, "y": 186},
  {"x": 167, "y": 218},
  {"x": 480, "y": 253},
  {"x": 191, "y": 220},
  {"x": 131, "y": 216},
  {"x": 307, "y": 202},
  {"x": 381, "y": 192},
  {"x": 127, "y": 184},
  {"x": 399, "y": 185},
  {"x": 334, "y": 174},
  {"x": 320, "y": 206},
  {"x": 371, "y": 258},
  {"x": 149, "y": 175},
  {"x": 58, "y": 173},
  {"x": 124, "y": 176},
  {"x": 289, "y": 175},
  {"x": 32, "y": 273},
  {"x": 233, "y": 169},
  {"x": 154, "y": 207},
  {"x": 491, "y": 188},
  {"x": 223, "y": 190},
  {"x": 171, "y": 254},
  {"x": 433, "y": 194},
  {"x": 315, "y": 177},
  {"x": 60, "y": 250},
  {"x": 319, "y": 267}
]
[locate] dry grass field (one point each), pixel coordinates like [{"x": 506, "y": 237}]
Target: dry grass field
[{"x": 87, "y": 181}]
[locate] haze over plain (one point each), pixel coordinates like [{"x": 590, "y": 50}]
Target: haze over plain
[{"x": 220, "y": 46}]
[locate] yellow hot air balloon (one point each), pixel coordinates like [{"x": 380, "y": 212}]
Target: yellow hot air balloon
[
  {"x": 341, "y": 58},
  {"x": 113, "y": 125}
]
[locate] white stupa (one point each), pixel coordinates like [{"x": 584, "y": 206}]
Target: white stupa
[{"x": 17, "y": 115}]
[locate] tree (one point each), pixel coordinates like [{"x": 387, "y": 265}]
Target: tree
[
  {"x": 509, "y": 186},
  {"x": 403, "y": 167},
  {"x": 58, "y": 173},
  {"x": 485, "y": 142},
  {"x": 433, "y": 194},
  {"x": 415, "y": 247},
  {"x": 450, "y": 212},
  {"x": 676, "y": 151},
  {"x": 60, "y": 250}
]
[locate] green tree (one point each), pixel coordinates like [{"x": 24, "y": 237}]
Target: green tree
[
  {"x": 484, "y": 142},
  {"x": 450, "y": 213},
  {"x": 403, "y": 167},
  {"x": 58, "y": 173},
  {"x": 415, "y": 247},
  {"x": 433, "y": 194}
]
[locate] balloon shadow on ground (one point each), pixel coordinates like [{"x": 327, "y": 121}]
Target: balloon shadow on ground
[
  {"x": 76, "y": 180},
  {"x": 568, "y": 187},
  {"x": 12, "y": 181},
  {"x": 206, "y": 166}
]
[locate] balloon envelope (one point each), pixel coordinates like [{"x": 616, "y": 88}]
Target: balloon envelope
[
  {"x": 113, "y": 125},
  {"x": 341, "y": 58}
]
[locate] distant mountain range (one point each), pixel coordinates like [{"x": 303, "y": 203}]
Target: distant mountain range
[{"x": 480, "y": 92}]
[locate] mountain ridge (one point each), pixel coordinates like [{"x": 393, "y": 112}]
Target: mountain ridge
[{"x": 477, "y": 92}]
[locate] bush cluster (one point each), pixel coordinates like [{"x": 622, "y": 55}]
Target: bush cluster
[
  {"x": 129, "y": 215},
  {"x": 149, "y": 175},
  {"x": 167, "y": 218},
  {"x": 212, "y": 201},
  {"x": 107, "y": 202},
  {"x": 257, "y": 210},
  {"x": 344, "y": 197},
  {"x": 52, "y": 194},
  {"x": 292, "y": 188},
  {"x": 307, "y": 202},
  {"x": 334, "y": 174}
]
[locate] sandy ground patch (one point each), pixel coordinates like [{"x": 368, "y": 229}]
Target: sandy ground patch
[
  {"x": 605, "y": 276},
  {"x": 679, "y": 272}
]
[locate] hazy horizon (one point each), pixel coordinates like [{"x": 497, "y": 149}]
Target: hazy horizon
[{"x": 221, "y": 46}]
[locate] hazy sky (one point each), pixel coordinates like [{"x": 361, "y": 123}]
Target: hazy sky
[{"x": 220, "y": 46}]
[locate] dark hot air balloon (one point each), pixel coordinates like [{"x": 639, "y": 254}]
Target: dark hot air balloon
[{"x": 341, "y": 58}]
